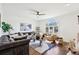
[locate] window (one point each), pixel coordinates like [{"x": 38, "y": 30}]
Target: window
[{"x": 52, "y": 26}]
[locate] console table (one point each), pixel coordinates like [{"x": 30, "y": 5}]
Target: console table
[{"x": 19, "y": 47}]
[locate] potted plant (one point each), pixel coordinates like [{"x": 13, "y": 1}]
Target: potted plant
[{"x": 6, "y": 27}]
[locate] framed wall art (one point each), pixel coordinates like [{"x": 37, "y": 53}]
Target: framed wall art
[{"x": 25, "y": 27}]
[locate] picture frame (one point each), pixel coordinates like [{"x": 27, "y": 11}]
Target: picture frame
[{"x": 25, "y": 27}]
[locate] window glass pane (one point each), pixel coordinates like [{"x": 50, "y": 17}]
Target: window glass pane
[{"x": 56, "y": 29}]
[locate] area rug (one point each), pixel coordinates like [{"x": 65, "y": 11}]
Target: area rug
[{"x": 41, "y": 49}]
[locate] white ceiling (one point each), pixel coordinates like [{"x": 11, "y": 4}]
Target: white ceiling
[{"x": 50, "y": 9}]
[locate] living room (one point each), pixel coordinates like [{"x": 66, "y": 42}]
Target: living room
[{"x": 60, "y": 19}]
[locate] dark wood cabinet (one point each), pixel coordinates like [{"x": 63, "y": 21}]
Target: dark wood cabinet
[{"x": 20, "y": 47}]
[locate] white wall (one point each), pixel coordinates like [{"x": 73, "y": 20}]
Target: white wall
[
  {"x": 0, "y": 19},
  {"x": 68, "y": 25},
  {"x": 0, "y": 8},
  {"x": 15, "y": 15},
  {"x": 15, "y": 22},
  {"x": 42, "y": 25}
]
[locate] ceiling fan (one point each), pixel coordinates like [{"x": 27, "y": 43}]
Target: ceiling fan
[{"x": 37, "y": 12}]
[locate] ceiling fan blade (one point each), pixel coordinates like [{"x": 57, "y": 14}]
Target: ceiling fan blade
[
  {"x": 42, "y": 14},
  {"x": 33, "y": 10},
  {"x": 36, "y": 12}
]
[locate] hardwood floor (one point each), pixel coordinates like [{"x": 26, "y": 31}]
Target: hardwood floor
[{"x": 33, "y": 51}]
